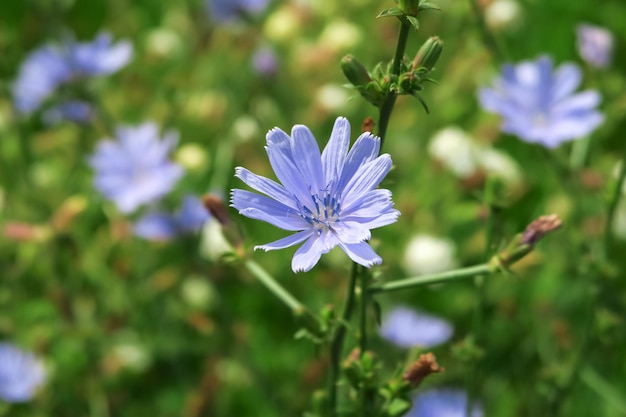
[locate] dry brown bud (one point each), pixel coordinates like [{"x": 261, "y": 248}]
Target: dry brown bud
[
  {"x": 425, "y": 365},
  {"x": 540, "y": 227},
  {"x": 215, "y": 205},
  {"x": 368, "y": 125}
]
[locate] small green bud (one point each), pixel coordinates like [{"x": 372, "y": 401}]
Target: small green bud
[
  {"x": 428, "y": 54},
  {"x": 354, "y": 71},
  {"x": 409, "y": 7}
]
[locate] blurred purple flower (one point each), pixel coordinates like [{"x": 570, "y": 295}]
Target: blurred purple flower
[
  {"x": 46, "y": 68},
  {"x": 595, "y": 45},
  {"x": 330, "y": 198},
  {"x": 407, "y": 328},
  {"x": 161, "y": 226},
  {"x": 264, "y": 61},
  {"x": 75, "y": 111},
  {"x": 225, "y": 10},
  {"x": 538, "y": 104},
  {"x": 20, "y": 374},
  {"x": 135, "y": 169},
  {"x": 443, "y": 403}
]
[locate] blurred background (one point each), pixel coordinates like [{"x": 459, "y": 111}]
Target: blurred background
[{"x": 147, "y": 324}]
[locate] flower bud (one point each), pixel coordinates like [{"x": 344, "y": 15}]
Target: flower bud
[
  {"x": 428, "y": 54},
  {"x": 354, "y": 71}
]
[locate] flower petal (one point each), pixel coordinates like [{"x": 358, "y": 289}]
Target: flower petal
[
  {"x": 260, "y": 207},
  {"x": 361, "y": 253},
  {"x": 266, "y": 186},
  {"x": 365, "y": 149},
  {"x": 306, "y": 155},
  {"x": 334, "y": 154},
  {"x": 307, "y": 255},
  {"x": 284, "y": 166},
  {"x": 286, "y": 241},
  {"x": 366, "y": 178}
]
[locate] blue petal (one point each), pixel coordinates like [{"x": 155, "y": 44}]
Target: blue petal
[
  {"x": 361, "y": 253},
  {"x": 567, "y": 78},
  {"x": 263, "y": 208},
  {"x": 307, "y": 255},
  {"x": 366, "y": 178},
  {"x": 306, "y": 155},
  {"x": 156, "y": 226},
  {"x": 365, "y": 149},
  {"x": 265, "y": 186},
  {"x": 286, "y": 241},
  {"x": 351, "y": 232},
  {"x": 334, "y": 154},
  {"x": 284, "y": 166}
]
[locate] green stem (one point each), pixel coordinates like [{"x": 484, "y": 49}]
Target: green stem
[
  {"x": 363, "y": 312},
  {"x": 617, "y": 194},
  {"x": 336, "y": 345},
  {"x": 274, "y": 287},
  {"x": 604, "y": 389},
  {"x": 387, "y": 107},
  {"x": 419, "y": 281}
]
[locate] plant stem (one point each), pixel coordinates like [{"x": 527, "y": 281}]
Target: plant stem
[
  {"x": 274, "y": 287},
  {"x": 617, "y": 194},
  {"x": 387, "y": 106},
  {"x": 363, "y": 312},
  {"x": 336, "y": 345},
  {"x": 412, "y": 282}
]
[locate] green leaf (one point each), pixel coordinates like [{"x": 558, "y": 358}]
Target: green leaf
[
  {"x": 377, "y": 312},
  {"x": 398, "y": 407},
  {"x": 414, "y": 22},
  {"x": 428, "y": 6},
  {"x": 421, "y": 100},
  {"x": 393, "y": 11}
]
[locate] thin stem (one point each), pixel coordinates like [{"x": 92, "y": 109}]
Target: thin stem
[
  {"x": 387, "y": 107},
  {"x": 617, "y": 194},
  {"x": 272, "y": 285},
  {"x": 363, "y": 313},
  {"x": 336, "y": 345},
  {"x": 419, "y": 281}
]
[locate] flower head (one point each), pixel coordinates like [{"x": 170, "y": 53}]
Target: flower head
[
  {"x": 538, "y": 103},
  {"x": 225, "y": 10},
  {"x": 20, "y": 374},
  {"x": 443, "y": 402},
  {"x": 595, "y": 45},
  {"x": 135, "y": 169},
  {"x": 329, "y": 198},
  {"x": 75, "y": 111},
  {"x": 50, "y": 66},
  {"x": 264, "y": 61},
  {"x": 408, "y": 328},
  {"x": 163, "y": 226}
]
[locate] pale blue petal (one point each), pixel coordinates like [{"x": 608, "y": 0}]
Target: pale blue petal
[
  {"x": 377, "y": 221},
  {"x": 307, "y": 255},
  {"x": 366, "y": 178},
  {"x": 361, "y": 253},
  {"x": 306, "y": 154},
  {"x": 351, "y": 231},
  {"x": 156, "y": 226},
  {"x": 334, "y": 154},
  {"x": 285, "y": 167},
  {"x": 266, "y": 186},
  {"x": 407, "y": 328},
  {"x": 286, "y": 241},
  {"x": 364, "y": 150},
  {"x": 263, "y": 208},
  {"x": 567, "y": 78}
]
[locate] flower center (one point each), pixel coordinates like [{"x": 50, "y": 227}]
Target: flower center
[{"x": 322, "y": 211}]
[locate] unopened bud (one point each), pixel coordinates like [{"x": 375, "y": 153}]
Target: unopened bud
[
  {"x": 216, "y": 206},
  {"x": 425, "y": 365},
  {"x": 428, "y": 54},
  {"x": 409, "y": 7},
  {"x": 540, "y": 227},
  {"x": 354, "y": 71}
]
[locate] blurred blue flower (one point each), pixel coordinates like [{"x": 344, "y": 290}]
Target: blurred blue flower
[
  {"x": 595, "y": 45},
  {"x": 225, "y": 10},
  {"x": 329, "y": 198},
  {"x": 20, "y": 374},
  {"x": 443, "y": 403},
  {"x": 264, "y": 61},
  {"x": 50, "y": 66},
  {"x": 538, "y": 104},
  {"x": 135, "y": 169},
  {"x": 75, "y": 111},
  {"x": 407, "y": 328},
  {"x": 162, "y": 226}
]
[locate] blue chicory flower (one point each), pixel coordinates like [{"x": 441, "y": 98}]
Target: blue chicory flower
[
  {"x": 135, "y": 169},
  {"x": 329, "y": 198},
  {"x": 20, "y": 374},
  {"x": 50, "y": 66},
  {"x": 162, "y": 226},
  {"x": 595, "y": 45},
  {"x": 538, "y": 104},
  {"x": 226, "y": 10},
  {"x": 407, "y": 328},
  {"x": 443, "y": 402}
]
